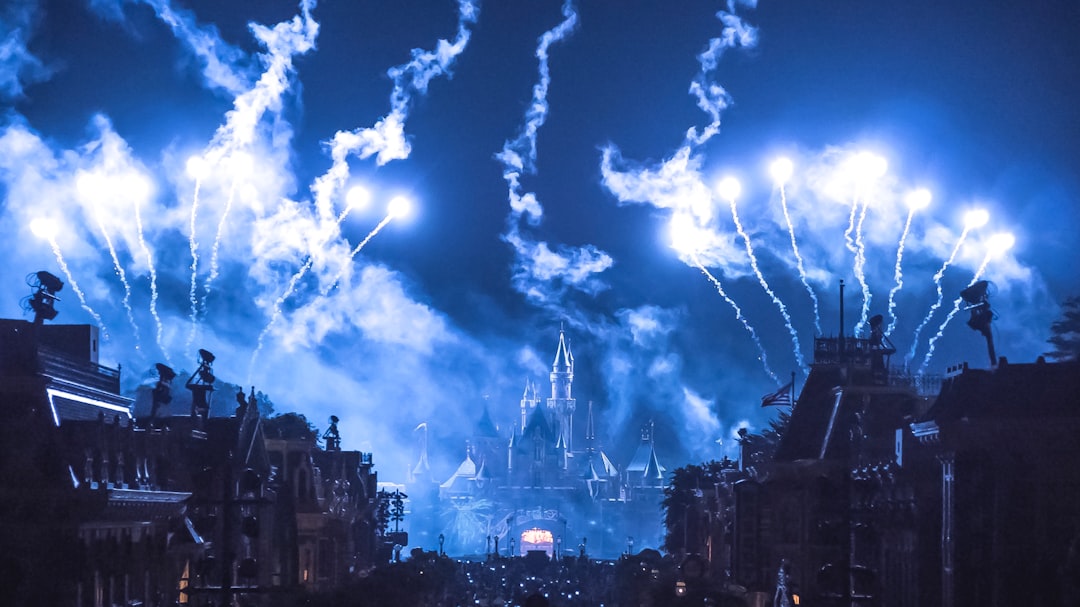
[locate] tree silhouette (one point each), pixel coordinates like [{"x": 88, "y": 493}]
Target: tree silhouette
[{"x": 1065, "y": 332}]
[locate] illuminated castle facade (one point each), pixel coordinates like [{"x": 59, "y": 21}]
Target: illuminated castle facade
[{"x": 532, "y": 488}]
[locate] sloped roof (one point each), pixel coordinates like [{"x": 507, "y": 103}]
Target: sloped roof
[
  {"x": 645, "y": 466},
  {"x": 466, "y": 471},
  {"x": 485, "y": 428},
  {"x": 1039, "y": 389}
]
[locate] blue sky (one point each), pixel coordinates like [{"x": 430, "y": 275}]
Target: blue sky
[{"x": 546, "y": 148}]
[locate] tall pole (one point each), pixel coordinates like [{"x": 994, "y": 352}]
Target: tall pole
[{"x": 842, "y": 345}]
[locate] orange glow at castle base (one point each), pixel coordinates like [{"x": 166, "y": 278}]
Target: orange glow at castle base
[{"x": 537, "y": 539}]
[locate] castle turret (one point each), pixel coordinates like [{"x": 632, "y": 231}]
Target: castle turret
[{"x": 562, "y": 402}]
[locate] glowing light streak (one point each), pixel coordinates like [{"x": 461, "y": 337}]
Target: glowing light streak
[
  {"x": 917, "y": 200},
  {"x": 160, "y": 332},
  {"x": 782, "y": 170},
  {"x": 849, "y": 242},
  {"x": 197, "y": 168},
  {"x": 398, "y": 207},
  {"x": 998, "y": 244},
  {"x": 46, "y": 229},
  {"x": 739, "y": 316},
  {"x": 729, "y": 188},
  {"x": 93, "y": 187},
  {"x": 972, "y": 219},
  {"x": 860, "y": 270},
  {"x": 215, "y": 250}
]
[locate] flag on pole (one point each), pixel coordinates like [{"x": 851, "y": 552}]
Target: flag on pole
[{"x": 781, "y": 397}]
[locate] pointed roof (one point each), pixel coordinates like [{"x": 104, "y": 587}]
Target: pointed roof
[
  {"x": 537, "y": 425},
  {"x": 590, "y": 428},
  {"x": 465, "y": 471},
  {"x": 563, "y": 356},
  {"x": 485, "y": 428},
  {"x": 645, "y": 467}
]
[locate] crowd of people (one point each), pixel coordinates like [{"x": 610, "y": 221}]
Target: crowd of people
[{"x": 428, "y": 579}]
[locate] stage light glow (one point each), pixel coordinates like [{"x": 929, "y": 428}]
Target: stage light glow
[
  {"x": 729, "y": 188},
  {"x": 976, "y": 218},
  {"x": 781, "y": 170}
]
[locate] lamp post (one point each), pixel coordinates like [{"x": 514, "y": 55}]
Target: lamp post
[{"x": 442, "y": 538}]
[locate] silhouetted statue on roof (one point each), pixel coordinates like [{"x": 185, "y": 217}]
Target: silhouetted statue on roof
[
  {"x": 201, "y": 384},
  {"x": 331, "y": 436}
]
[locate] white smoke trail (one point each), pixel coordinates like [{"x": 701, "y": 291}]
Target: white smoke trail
[
  {"x": 993, "y": 250},
  {"x": 352, "y": 254},
  {"x": 711, "y": 97},
  {"x": 193, "y": 247},
  {"x": 519, "y": 156},
  {"x": 940, "y": 294},
  {"x": 75, "y": 287},
  {"x": 849, "y": 242},
  {"x": 252, "y": 101},
  {"x": 768, "y": 290},
  {"x": 214, "y": 251},
  {"x": 291, "y": 288},
  {"x": 386, "y": 139},
  {"x": 536, "y": 265},
  {"x": 126, "y": 301},
  {"x": 898, "y": 275},
  {"x": 860, "y": 270},
  {"x": 160, "y": 333},
  {"x": 276, "y": 309},
  {"x": 799, "y": 261},
  {"x": 739, "y": 315}
]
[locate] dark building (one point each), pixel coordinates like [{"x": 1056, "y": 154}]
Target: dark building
[
  {"x": 886, "y": 491},
  {"x": 100, "y": 507}
]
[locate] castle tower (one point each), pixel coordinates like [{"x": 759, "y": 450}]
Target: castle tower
[{"x": 562, "y": 403}]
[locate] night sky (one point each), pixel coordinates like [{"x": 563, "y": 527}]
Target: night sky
[{"x": 547, "y": 150}]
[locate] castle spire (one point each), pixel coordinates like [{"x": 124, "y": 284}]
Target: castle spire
[
  {"x": 564, "y": 358},
  {"x": 562, "y": 402}
]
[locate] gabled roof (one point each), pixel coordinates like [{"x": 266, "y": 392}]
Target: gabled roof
[{"x": 827, "y": 406}]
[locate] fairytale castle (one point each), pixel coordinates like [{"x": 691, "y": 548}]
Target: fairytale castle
[{"x": 541, "y": 484}]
